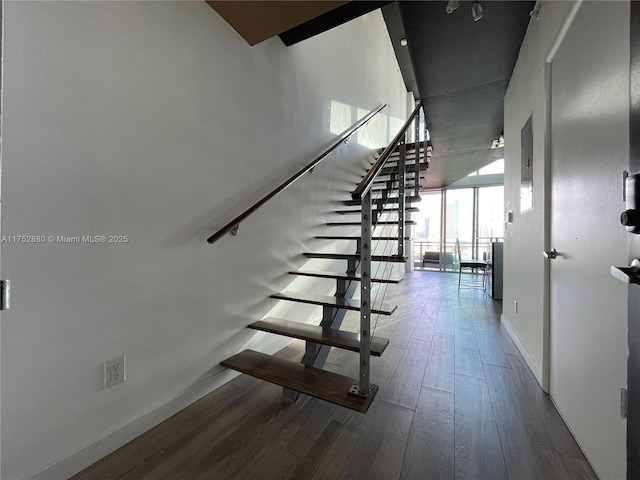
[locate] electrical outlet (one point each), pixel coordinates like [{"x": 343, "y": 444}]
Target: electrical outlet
[
  {"x": 515, "y": 307},
  {"x": 114, "y": 372}
]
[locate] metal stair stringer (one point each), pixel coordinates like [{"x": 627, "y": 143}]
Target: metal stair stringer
[{"x": 315, "y": 354}]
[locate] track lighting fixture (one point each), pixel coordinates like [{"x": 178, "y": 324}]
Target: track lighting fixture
[
  {"x": 476, "y": 10},
  {"x": 452, "y": 5},
  {"x": 499, "y": 142}
]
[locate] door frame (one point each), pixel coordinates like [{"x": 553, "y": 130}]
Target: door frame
[
  {"x": 633, "y": 297},
  {"x": 547, "y": 204}
]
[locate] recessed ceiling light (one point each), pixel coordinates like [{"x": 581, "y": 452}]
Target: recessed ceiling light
[{"x": 403, "y": 42}]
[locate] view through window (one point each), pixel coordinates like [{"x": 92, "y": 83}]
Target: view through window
[{"x": 474, "y": 216}]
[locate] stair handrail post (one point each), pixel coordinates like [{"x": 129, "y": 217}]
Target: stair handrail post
[
  {"x": 417, "y": 155},
  {"x": 365, "y": 297},
  {"x": 402, "y": 180}
]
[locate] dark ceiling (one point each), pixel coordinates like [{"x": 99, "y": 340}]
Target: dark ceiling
[{"x": 460, "y": 69}]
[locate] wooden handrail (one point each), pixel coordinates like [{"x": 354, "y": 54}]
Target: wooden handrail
[
  {"x": 236, "y": 221},
  {"x": 367, "y": 181}
]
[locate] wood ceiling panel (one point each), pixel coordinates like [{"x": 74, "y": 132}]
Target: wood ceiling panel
[{"x": 256, "y": 21}]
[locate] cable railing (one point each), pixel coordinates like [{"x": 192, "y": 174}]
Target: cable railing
[
  {"x": 233, "y": 225},
  {"x": 382, "y": 229},
  {"x": 370, "y": 221}
]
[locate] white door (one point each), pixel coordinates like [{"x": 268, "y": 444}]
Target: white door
[{"x": 589, "y": 152}]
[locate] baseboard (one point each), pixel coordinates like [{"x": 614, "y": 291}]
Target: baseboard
[
  {"x": 111, "y": 441},
  {"x": 528, "y": 358}
]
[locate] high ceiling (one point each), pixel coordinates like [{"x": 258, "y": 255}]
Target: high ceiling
[{"x": 458, "y": 67}]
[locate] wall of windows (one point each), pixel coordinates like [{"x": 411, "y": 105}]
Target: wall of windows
[{"x": 473, "y": 215}]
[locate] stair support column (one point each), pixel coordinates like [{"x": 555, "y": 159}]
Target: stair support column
[
  {"x": 417, "y": 156},
  {"x": 362, "y": 388},
  {"x": 402, "y": 172},
  {"x": 315, "y": 354}
]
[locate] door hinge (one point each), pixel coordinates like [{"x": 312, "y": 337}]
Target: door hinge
[{"x": 623, "y": 403}]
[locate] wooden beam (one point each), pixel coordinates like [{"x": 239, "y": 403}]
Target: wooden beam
[{"x": 256, "y": 21}]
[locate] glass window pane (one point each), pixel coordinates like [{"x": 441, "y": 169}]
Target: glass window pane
[
  {"x": 490, "y": 218},
  {"x": 428, "y": 222},
  {"x": 427, "y": 230},
  {"x": 459, "y": 211}
]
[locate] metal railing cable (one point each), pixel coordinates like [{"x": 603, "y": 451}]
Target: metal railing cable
[
  {"x": 370, "y": 220},
  {"x": 366, "y": 182},
  {"x": 387, "y": 248},
  {"x": 232, "y": 226}
]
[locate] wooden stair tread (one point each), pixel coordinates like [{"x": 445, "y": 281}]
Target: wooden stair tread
[
  {"x": 317, "y": 334},
  {"x": 389, "y": 200},
  {"x": 329, "y": 301},
  {"x": 338, "y": 224},
  {"x": 389, "y": 189},
  {"x": 410, "y": 175},
  {"x": 342, "y": 276},
  {"x": 394, "y": 187},
  {"x": 410, "y": 152},
  {"x": 410, "y": 145},
  {"x": 409, "y": 162},
  {"x": 321, "y": 384},
  {"x": 411, "y": 155},
  {"x": 379, "y": 180},
  {"x": 408, "y": 168},
  {"x": 356, "y": 256},
  {"x": 383, "y": 210},
  {"x": 351, "y": 237}
]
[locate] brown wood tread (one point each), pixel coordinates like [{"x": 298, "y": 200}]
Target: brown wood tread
[
  {"x": 342, "y": 276},
  {"x": 390, "y": 200},
  {"x": 389, "y": 169},
  {"x": 379, "y": 181},
  {"x": 356, "y": 256},
  {"x": 410, "y": 146},
  {"x": 393, "y": 187},
  {"x": 339, "y": 224},
  {"x": 409, "y": 163},
  {"x": 351, "y": 237},
  {"x": 329, "y": 301},
  {"x": 314, "y": 382},
  {"x": 409, "y": 154},
  {"x": 317, "y": 334},
  {"x": 379, "y": 210},
  {"x": 390, "y": 189},
  {"x": 410, "y": 157},
  {"x": 410, "y": 175}
]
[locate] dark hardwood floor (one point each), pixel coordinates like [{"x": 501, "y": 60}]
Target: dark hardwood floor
[{"x": 456, "y": 400}]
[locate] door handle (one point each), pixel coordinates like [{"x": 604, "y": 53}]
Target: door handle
[{"x": 550, "y": 254}]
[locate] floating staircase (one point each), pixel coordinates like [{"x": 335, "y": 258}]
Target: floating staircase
[{"x": 308, "y": 377}]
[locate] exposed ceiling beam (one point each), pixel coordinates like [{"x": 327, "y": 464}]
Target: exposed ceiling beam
[
  {"x": 329, "y": 20},
  {"x": 256, "y": 21}
]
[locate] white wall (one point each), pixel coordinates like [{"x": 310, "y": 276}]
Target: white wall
[
  {"x": 155, "y": 120},
  {"x": 587, "y": 365},
  {"x": 524, "y": 238}
]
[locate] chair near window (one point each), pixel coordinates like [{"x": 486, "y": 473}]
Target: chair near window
[{"x": 471, "y": 266}]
